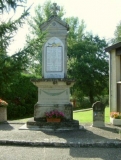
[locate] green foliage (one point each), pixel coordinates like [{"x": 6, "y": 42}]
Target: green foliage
[
  {"x": 88, "y": 65},
  {"x": 7, "y": 5},
  {"x": 19, "y": 92},
  {"x": 84, "y": 102},
  {"x": 117, "y": 34},
  {"x": 103, "y": 98},
  {"x": 10, "y": 67},
  {"x": 10, "y": 27},
  {"x": 15, "y": 111},
  {"x": 76, "y": 30},
  {"x": 21, "y": 98}
]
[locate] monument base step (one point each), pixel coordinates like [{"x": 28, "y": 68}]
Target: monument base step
[{"x": 51, "y": 126}]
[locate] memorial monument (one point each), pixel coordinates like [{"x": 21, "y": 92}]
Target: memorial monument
[{"x": 54, "y": 86}]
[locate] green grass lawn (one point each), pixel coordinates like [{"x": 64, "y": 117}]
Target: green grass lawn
[{"x": 87, "y": 116}]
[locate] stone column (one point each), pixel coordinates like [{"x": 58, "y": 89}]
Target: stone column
[{"x": 113, "y": 79}]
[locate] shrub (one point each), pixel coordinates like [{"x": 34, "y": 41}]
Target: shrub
[
  {"x": 84, "y": 103},
  {"x": 21, "y": 98}
]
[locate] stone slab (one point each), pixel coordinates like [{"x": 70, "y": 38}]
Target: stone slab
[
  {"x": 53, "y": 83},
  {"x": 51, "y": 126}
]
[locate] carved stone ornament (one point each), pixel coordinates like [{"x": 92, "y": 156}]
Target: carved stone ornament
[{"x": 55, "y": 8}]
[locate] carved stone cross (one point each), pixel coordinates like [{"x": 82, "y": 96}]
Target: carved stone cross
[{"x": 55, "y": 8}]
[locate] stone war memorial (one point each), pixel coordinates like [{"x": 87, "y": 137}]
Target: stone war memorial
[{"x": 54, "y": 86}]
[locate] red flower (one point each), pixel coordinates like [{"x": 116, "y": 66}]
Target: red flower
[{"x": 54, "y": 114}]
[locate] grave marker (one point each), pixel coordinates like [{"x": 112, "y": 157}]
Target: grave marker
[{"x": 98, "y": 114}]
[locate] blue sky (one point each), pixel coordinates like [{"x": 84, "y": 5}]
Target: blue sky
[{"x": 101, "y": 16}]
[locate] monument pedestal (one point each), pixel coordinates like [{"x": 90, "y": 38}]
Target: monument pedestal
[
  {"x": 40, "y": 110},
  {"x": 53, "y": 94}
]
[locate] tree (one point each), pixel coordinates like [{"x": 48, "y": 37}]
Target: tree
[
  {"x": 117, "y": 34},
  {"x": 76, "y": 31},
  {"x": 85, "y": 52},
  {"x": 88, "y": 64},
  {"x": 9, "y": 65},
  {"x": 12, "y": 66}
]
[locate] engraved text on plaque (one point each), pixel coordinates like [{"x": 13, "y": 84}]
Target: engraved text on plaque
[{"x": 54, "y": 59}]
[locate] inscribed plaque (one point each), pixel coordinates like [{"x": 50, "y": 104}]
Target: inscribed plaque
[{"x": 54, "y": 59}]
